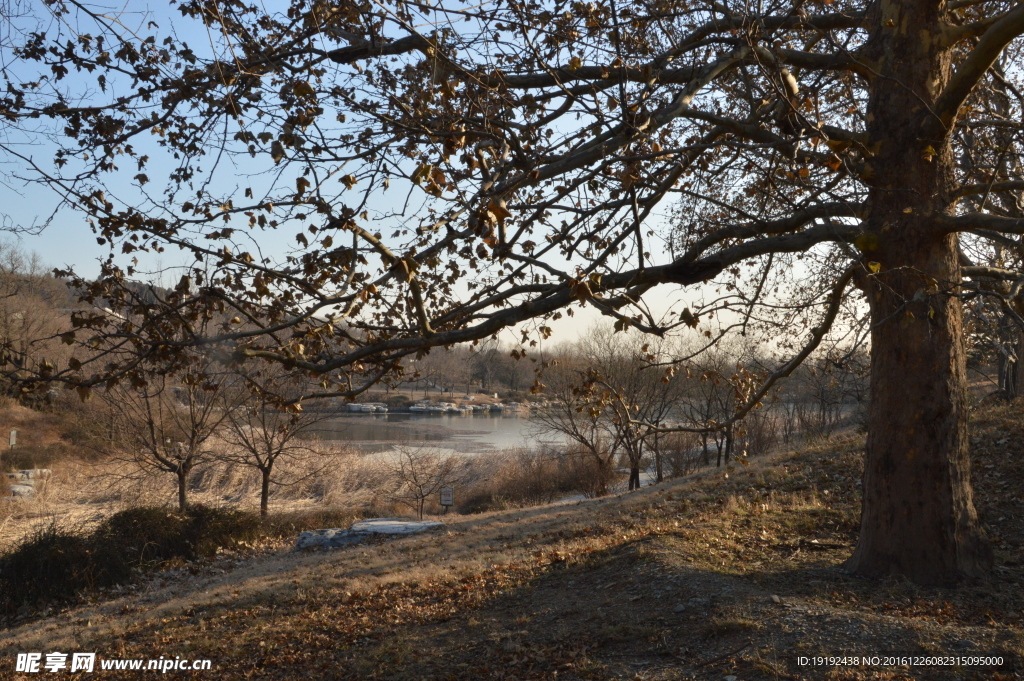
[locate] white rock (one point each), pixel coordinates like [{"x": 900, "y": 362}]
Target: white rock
[
  {"x": 336, "y": 537},
  {"x": 23, "y": 491},
  {"x": 30, "y": 474},
  {"x": 394, "y": 526}
]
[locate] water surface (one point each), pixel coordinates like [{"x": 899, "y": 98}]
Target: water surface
[{"x": 469, "y": 434}]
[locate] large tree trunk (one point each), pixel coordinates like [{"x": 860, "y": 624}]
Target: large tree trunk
[{"x": 918, "y": 518}]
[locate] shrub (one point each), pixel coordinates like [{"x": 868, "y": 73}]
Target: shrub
[
  {"x": 209, "y": 529},
  {"x": 153, "y": 535},
  {"x": 56, "y": 565},
  {"x": 760, "y": 434},
  {"x": 590, "y": 477},
  {"x": 145, "y": 536},
  {"x": 680, "y": 453},
  {"x": 36, "y": 456}
]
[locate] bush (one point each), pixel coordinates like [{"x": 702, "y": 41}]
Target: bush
[
  {"x": 153, "y": 535},
  {"x": 36, "y": 456},
  {"x": 145, "y": 536},
  {"x": 210, "y": 529},
  {"x": 681, "y": 453},
  {"x": 760, "y": 434},
  {"x": 56, "y": 564}
]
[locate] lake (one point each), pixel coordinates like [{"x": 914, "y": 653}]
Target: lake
[{"x": 469, "y": 434}]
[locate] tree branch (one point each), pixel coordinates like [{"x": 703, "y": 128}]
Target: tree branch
[
  {"x": 818, "y": 333},
  {"x": 371, "y": 48},
  {"x": 990, "y": 45},
  {"x": 978, "y": 189},
  {"x": 972, "y": 222}
]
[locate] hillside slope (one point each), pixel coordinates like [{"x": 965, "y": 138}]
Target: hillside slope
[{"x": 726, "y": 573}]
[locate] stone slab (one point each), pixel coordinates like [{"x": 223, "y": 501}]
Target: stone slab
[
  {"x": 394, "y": 526},
  {"x": 336, "y": 537},
  {"x": 30, "y": 474}
]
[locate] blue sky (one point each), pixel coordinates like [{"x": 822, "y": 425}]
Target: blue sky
[{"x": 68, "y": 241}]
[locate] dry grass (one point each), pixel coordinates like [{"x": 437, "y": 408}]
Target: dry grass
[
  {"x": 81, "y": 493},
  {"x": 728, "y": 572}
]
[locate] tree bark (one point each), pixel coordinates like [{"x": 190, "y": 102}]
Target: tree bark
[
  {"x": 657, "y": 461},
  {"x": 634, "y": 477},
  {"x": 264, "y": 492},
  {"x": 182, "y": 474},
  {"x": 1017, "y": 375},
  {"x": 918, "y": 518},
  {"x": 1010, "y": 374}
]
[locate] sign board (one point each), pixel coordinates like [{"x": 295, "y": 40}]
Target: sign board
[
  {"x": 447, "y": 496},
  {"x": 14, "y": 437}
]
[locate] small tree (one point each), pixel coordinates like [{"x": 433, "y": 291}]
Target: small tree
[
  {"x": 420, "y": 474},
  {"x": 607, "y": 395},
  {"x": 267, "y": 431},
  {"x": 570, "y": 413},
  {"x": 165, "y": 424}
]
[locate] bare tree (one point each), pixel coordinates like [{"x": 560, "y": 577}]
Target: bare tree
[
  {"x": 419, "y": 474},
  {"x": 569, "y": 411},
  {"x": 610, "y": 394},
  {"x": 266, "y": 429},
  {"x": 444, "y": 368},
  {"x": 638, "y": 390},
  {"x": 33, "y": 312},
  {"x": 165, "y": 424}
]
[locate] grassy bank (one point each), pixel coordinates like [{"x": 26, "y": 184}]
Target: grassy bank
[{"x": 729, "y": 572}]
